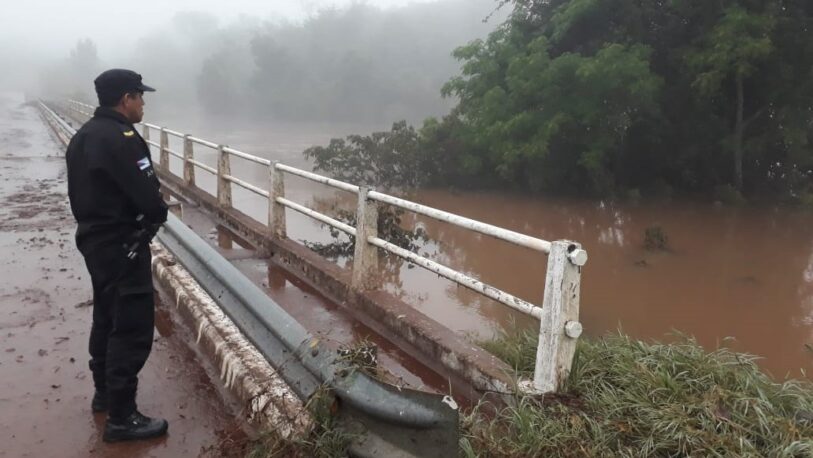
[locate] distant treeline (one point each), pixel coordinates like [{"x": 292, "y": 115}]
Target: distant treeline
[
  {"x": 624, "y": 97},
  {"x": 356, "y": 64}
]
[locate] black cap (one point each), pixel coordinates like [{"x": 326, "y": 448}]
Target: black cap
[{"x": 117, "y": 82}]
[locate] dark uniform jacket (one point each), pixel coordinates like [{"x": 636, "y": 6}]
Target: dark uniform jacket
[{"x": 111, "y": 181}]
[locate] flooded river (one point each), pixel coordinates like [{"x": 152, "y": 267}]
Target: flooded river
[{"x": 741, "y": 273}]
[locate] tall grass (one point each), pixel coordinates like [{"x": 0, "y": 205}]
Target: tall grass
[{"x": 627, "y": 398}]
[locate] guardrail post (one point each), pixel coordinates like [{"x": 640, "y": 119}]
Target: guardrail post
[
  {"x": 223, "y": 184},
  {"x": 163, "y": 149},
  {"x": 188, "y": 167},
  {"x": 365, "y": 258},
  {"x": 276, "y": 211},
  {"x": 559, "y": 327},
  {"x": 145, "y": 134}
]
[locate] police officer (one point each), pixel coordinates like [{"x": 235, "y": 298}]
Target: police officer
[{"x": 115, "y": 199}]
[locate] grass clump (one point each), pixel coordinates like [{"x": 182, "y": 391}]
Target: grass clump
[
  {"x": 324, "y": 440},
  {"x": 627, "y": 398}
]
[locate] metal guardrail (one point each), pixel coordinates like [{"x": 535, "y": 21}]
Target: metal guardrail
[
  {"x": 558, "y": 315},
  {"x": 397, "y": 421},
  {"x": 62, "y": 129}
]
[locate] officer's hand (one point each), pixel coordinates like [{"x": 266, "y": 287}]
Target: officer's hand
[{"x": 154, "y": 229}]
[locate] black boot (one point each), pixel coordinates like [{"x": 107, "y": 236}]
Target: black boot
[
  {"x": 99, "y": 402},
  {"x": 134, "y": 427}
]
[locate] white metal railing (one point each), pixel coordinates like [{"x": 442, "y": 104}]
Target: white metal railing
[
  {"x": 62, "y": 128},
  {"x": 559, "y": 326}
]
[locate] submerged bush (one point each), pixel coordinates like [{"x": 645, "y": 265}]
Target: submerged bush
[{"x": 655, "y": 238}]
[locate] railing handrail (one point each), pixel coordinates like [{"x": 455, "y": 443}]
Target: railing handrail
[
  {"x": 201, "y": 141},
  {"x": 497, "y": 232},
  {"x": 557, "y": 316}
]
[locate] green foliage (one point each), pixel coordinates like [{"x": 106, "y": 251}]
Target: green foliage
[
  {"x": 381, "y": 160},
  {"x": 627, "y": 398},
  {"x": 390, "y": 229},
  {"x": 735, "y": 46},
  {"x": 549, "y": 122},
  {"x": 599, "y": 96}
]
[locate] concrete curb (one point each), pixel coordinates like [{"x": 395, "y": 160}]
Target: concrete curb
[{"x": 268, "y": 401}]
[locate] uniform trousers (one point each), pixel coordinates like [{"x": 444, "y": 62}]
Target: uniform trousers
[{"x": 123, "y": 323}]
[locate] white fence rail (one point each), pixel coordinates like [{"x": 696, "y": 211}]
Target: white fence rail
[{"x": 559, "y": 314}]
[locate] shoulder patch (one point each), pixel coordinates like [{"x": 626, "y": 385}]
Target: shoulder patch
[
  {"x": 129, "y": 133},
  {"x": 143, "y": 163}
]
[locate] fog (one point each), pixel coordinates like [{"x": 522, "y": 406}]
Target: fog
[{"x": 288, "y": 60}]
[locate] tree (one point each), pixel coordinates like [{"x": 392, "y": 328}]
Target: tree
[
  {"x": 734, "y": 48},
  {"x": 73, "y": 76},
  {"x": 553, "y": 123},
  {"x": 382, "y": 159},
  {"x": 84, "y": 57}
]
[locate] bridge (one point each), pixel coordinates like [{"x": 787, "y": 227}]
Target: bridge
[{"x": 217, "y": 259}]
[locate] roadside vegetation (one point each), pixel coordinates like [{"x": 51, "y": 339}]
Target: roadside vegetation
[
  {"x": 624, "y": 398},
  {"x": 630, "y": 398}
]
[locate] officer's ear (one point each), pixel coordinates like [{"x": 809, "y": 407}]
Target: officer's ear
[
  {"x": 131, "y": 97},
  {"x": 124, "y": 101}
]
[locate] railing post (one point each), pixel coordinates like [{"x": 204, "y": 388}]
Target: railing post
[
  {"x": 145, "y": 134},
  {"x": 559, "y": 327},
  {"x": 164, "y": 153},
  {"x": 365, "y": 258},
  {"x": 223, "y": 184},
  {"x": 188, "y": 166},
  {"x": 276, "y": 211}
]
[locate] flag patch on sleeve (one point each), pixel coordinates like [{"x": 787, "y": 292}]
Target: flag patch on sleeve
[{"x": 143, "y": 163}]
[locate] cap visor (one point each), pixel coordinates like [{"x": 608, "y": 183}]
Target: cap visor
[{"x": 145, "y": 88}]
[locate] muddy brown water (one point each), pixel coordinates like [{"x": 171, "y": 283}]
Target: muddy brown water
[
  {"x": 45, "y": 316},
  {"x": 739, "y": 277}
]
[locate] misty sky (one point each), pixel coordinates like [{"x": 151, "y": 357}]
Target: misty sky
[{"x": 53, "y": 26}]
